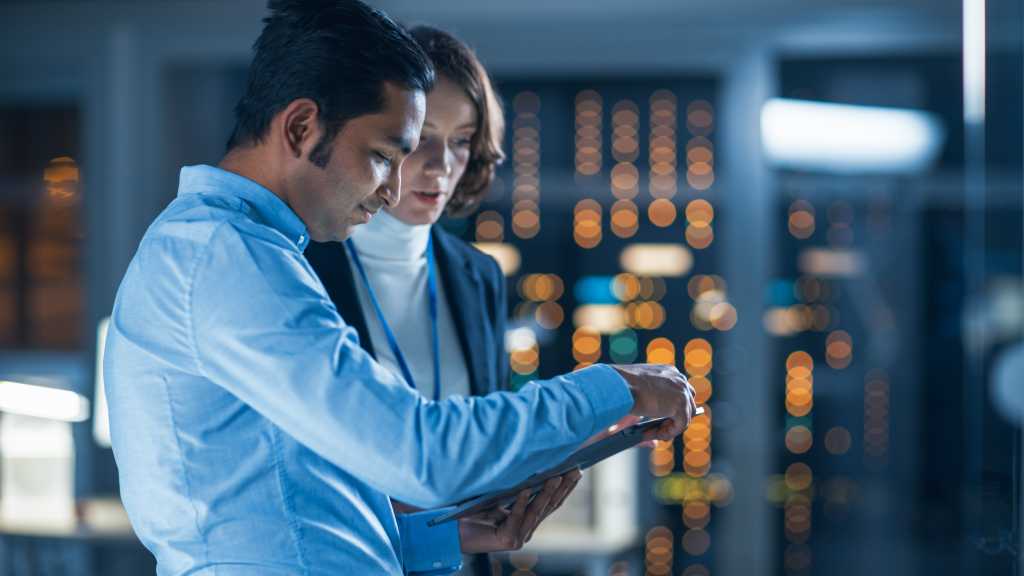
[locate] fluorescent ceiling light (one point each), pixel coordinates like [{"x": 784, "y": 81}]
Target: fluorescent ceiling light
[
  {"x": 42, "y": 402},
  {"x": 826, "y": 137}
]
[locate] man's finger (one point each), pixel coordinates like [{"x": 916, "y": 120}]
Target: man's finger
[
  {"x": 569, "y": 482},
  {"x": 514, "y": 520},
  {"x": 535, "y": 513}
]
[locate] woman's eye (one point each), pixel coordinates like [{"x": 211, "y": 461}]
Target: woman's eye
[
  {"x": 463, "y": 142},
  {"x": 383, "y": 158}
]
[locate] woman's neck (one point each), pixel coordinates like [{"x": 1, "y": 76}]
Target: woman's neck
[{"x": 385, "y": 237}]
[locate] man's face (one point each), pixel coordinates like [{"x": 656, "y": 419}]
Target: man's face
[{"x": 363, "y": 169}]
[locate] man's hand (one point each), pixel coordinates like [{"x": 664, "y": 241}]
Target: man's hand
[
  {"x": 660, "y": 391},
  {"x": 499, "y": 529}
]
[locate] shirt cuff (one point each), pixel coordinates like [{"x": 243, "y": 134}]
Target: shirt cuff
[
  {"x": 426, "y": 550},
  {"x": 607, "y": 392}
]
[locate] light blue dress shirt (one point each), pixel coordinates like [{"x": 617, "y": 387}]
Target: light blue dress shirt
[{"x": 254, "y": 436}]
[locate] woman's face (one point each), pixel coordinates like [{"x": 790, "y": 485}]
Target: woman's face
[{"x": 431, "y": 172}]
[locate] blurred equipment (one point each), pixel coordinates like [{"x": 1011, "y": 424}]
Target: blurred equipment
[
  {"x": 1008, "y": 383},
  {"x": 36, "y": 455}
]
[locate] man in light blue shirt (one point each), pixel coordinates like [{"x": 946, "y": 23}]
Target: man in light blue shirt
[{"x": 252, "y": 434}]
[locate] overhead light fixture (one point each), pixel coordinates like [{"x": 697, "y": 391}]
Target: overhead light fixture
[{"x": 843, "y": 138}]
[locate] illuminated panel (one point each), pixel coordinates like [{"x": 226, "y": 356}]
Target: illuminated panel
[
  {"x": 586, "y": 346},
  {"x": 831, "y": 262},
  {"x": 697, "y": 363},
  {"x": 801, "y": 219},
  {"x": 526, "y": 165},
  {"x": 645, "y": 315},
  {"x": 625, "y": 219},
  {"x": 586, "y": 223},
  {"x": 839, "y": 349},
  {"x": 588, "y": 133},
  {"x": 623, "y": 346},
  {"x": 541, "y": 287},
  {"x": 700, "y": 153},
  {"x": 658, "y": 551},
  {"x": 662, "y": 145},
  {"x": 796, "y": 489},
  {"x": 668, "y": 260},
  {"x": 540, "y": 293},
  {"x": 595, "y": 290},
  {"x": 699, "y": 231},
  {"x": 604, "y": 318},
  {"x": 711, "y": 310},
  {"x": 524, "y": 353},
  {"x": 490, "y": 227},
  {"x": 625, "y": 178},
  {"x": 876, "y": 417},
  {"x": 661, "y": 212},
  {"x": 60, "y": 178}
]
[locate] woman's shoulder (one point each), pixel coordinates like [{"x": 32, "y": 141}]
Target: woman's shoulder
[{"x": 467, "y": 252}]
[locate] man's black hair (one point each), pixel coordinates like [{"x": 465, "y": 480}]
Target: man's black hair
[{"x": 337, "y": 53}]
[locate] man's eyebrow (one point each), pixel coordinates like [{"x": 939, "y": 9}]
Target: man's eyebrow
[{"x": 405, "y": 145}]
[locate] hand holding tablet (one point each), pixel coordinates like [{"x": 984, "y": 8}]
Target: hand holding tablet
[{"x": 580, "y": 460}]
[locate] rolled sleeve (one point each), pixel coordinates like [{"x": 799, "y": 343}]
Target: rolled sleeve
[{"x": 607, "y": 392}]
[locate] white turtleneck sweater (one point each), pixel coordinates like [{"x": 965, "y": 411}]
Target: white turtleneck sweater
[{"x": 394, "y": 255}]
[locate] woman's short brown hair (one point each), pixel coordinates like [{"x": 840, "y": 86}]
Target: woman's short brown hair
[{"x": 457, "y": 62}]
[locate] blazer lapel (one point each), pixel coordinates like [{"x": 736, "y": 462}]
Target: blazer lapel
[
  {"x": 331, "y": 264},
  {"x": 466, "y": 301}
]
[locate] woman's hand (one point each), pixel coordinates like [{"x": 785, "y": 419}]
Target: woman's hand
[{"x": 498, "y": 529}]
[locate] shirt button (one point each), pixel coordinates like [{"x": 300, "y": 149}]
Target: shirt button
[{"x": 302, "y": 238}]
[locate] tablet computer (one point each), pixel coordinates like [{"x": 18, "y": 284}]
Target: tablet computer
[{"x": 583, "y": 458}]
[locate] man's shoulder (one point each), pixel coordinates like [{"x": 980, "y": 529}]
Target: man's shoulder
[{"x": 207, "y": 219}]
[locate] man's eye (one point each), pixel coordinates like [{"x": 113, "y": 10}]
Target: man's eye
[{"x": 383, "y": 158}]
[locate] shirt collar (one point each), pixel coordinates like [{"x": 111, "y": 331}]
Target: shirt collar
[{"x": 271, "y": 208}]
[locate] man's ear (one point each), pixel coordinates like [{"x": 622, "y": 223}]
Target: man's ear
[{"x": 299, "y": 127}]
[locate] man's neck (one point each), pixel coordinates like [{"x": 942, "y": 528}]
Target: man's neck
[{"x": 249, "y": 163}]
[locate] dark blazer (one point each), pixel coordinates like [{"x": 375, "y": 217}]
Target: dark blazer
[{"x": 475, "y": 289}]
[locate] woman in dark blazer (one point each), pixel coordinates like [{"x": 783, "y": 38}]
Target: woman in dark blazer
[{"x": 426, "y": 304}]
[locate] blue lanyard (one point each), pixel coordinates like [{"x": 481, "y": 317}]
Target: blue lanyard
[{"x": 392, "y": 341}]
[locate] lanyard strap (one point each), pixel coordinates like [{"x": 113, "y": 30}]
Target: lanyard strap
[{"x": 392, "y": 341}]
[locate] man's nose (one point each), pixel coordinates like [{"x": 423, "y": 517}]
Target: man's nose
[{"x": 391, "y": 192}]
